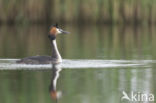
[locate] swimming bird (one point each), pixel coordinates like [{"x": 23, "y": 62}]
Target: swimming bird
[{"x": 55, "y": 58}]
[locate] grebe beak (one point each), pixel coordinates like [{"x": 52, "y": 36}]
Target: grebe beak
[{"x": 63, "y": 32}]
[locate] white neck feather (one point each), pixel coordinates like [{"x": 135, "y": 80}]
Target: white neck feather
[{"x": 55, "y": 53}]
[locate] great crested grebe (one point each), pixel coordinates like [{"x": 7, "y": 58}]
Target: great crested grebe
[{"x": 55, "y": 58}]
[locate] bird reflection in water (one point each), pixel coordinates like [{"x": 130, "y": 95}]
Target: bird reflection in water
[{"x": 55, "y": 95}]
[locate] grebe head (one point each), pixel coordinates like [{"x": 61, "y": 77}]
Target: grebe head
[{"x": 55, "y": 30}]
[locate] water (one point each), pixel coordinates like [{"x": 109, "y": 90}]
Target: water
[{"x": 100, "y": 62}]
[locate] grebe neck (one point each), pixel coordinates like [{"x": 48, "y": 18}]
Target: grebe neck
[{"x": 55, "y": 53}]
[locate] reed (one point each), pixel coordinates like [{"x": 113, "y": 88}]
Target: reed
[{"x": 81, "y": 11}]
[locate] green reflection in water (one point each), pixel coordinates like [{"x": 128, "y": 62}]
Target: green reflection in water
[
  {"x": 84, "y": 42},
  {"x": 78, "y": 85}
]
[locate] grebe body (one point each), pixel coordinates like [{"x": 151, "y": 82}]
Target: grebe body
[{"x": 36, "y": 60}]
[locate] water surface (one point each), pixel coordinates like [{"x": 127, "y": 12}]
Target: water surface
[{"x": 100, "y": 62}]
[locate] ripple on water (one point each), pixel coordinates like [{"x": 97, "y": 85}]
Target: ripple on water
[{"x": 10, "y": 64}]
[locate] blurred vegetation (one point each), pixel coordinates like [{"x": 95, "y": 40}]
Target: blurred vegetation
[{"x": 78, "y": 11}]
